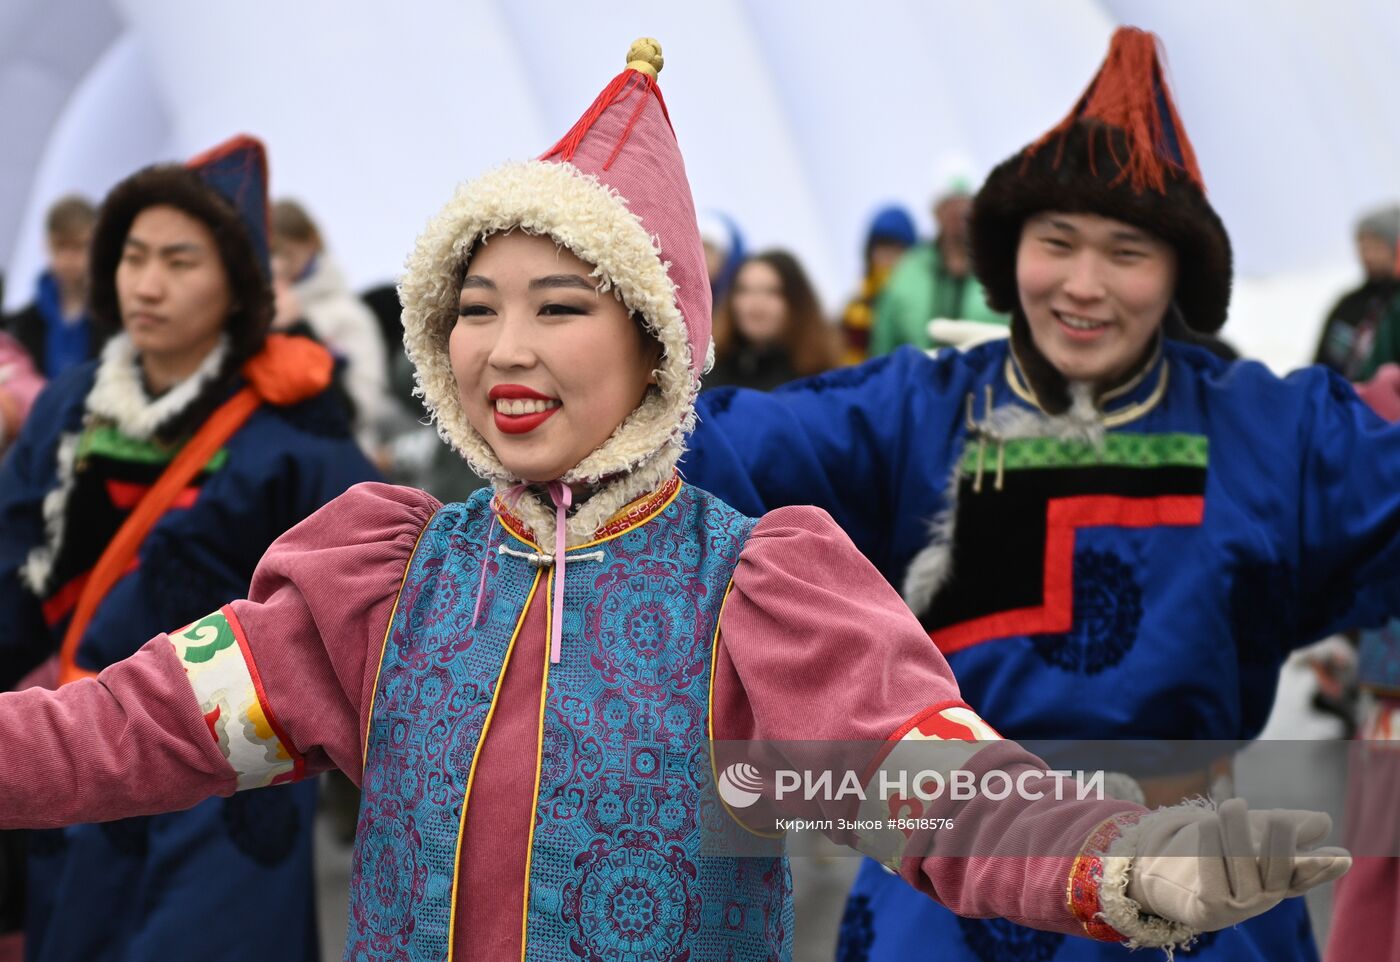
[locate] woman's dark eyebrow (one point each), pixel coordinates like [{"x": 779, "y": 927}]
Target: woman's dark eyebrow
[
  {"x": 563, "y": 280},
  {"x": 477, "y": 281}
]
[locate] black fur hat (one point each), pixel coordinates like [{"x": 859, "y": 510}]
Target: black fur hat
[{"x": 1121, "y": 153}]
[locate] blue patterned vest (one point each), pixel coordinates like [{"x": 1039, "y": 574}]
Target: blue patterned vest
[{"x": 616, "y": 870}]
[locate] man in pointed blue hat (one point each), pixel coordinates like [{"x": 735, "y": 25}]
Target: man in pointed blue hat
[{"x": 143, "y": 489}]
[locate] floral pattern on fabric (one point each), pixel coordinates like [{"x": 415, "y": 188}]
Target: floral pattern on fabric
[
  {"x": 221, "y": 672},
  {"x": 857, "y": 931},
  {"x": 437, "y": 681},
  {"x": 997, "y": 940},
  {"x": 618, "y": 830},
  {"x": 961, "y": 734},
  {"x": 1086, "y": 879}
]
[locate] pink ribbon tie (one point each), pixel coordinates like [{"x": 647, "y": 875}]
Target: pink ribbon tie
[{"x": 562, "y": 496}]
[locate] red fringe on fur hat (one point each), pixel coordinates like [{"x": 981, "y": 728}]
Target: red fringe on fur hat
[
  {"x": 1122, "y": 152},
  {"x": 1130, "y": 93}
]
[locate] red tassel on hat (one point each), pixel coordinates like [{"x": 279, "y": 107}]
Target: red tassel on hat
[
  {"x": 626, "y": 142},
  {"x": 1130, "y": 93},
  {"x": 644, "y": 62}
]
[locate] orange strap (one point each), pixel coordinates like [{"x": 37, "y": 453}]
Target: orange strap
[
  {"x": 288, "y": 369},
  {"x": 115, "y": 560}
]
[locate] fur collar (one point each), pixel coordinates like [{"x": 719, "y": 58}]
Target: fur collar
[
  {"x": 1054, "y": 393},
  {"x": 931, "y": 568},
  {"x": 38, "y": 565},
  {"x": 596, "y": 510},
  {"x": 119, "y": 394}
]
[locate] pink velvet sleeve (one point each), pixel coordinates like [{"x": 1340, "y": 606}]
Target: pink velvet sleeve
[
  {"x": 142, "y": 737},
  {"x": 318, "y": 612},
  {"x": 814, "y": 644},
  {"x": 130, "y": 742}
]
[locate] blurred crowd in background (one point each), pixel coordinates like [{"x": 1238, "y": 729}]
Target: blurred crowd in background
[{"x": 770, "y": 324}]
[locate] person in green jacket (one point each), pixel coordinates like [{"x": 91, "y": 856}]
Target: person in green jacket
[{"x": 933, "y": 280}]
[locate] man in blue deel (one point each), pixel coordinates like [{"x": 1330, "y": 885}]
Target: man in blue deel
[{"x": 1109, "y": 532}]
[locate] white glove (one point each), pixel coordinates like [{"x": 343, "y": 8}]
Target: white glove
[{"x": 1209, "y": 870}]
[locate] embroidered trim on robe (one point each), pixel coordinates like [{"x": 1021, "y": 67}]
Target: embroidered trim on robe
[{"x": 225, "y": 680}]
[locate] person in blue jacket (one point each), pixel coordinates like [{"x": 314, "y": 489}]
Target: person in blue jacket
[
  {"x": 1110, "y": 533},
  {"x": 180, "y": 266}
]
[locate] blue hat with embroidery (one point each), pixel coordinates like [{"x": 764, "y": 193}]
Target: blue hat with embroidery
[{"x": 237, "y": 171}]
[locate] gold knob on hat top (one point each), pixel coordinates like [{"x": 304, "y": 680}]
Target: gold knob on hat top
[{"x": 645, "y": 56}]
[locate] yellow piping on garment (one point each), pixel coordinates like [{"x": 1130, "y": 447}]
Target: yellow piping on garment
[
  {"x": 632, "y": 527},
  {"x": 539, "y": 769},
  {"x": 476, "y": 756},
  {"x": 379, "y": 669},
  {"x": 710, "y": 719}
]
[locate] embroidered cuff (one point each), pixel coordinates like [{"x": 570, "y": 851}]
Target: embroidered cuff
[
  {"x": 905, "y": 751},
  {"x": 215, "y": 655},
  {"x": 947, "y": 721},
  {"x": 1098, "y": 892}
]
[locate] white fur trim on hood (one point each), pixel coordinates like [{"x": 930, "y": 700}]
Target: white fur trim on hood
[
  {"x": 118, "y": 394},
  {"x": 593, "y": 221}
]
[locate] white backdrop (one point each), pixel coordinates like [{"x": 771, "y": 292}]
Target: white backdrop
[{"x": 797, "y": 117}]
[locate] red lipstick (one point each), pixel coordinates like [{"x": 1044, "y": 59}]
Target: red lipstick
[{"x": 520, "y": 423}]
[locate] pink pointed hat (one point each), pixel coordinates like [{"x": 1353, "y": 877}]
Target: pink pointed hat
[
  {"x": 626, "y": 140},
  {"x": 613, "y": 191}
]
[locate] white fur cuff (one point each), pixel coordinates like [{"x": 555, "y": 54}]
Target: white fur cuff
[{"x": 1124, "y": 913}]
